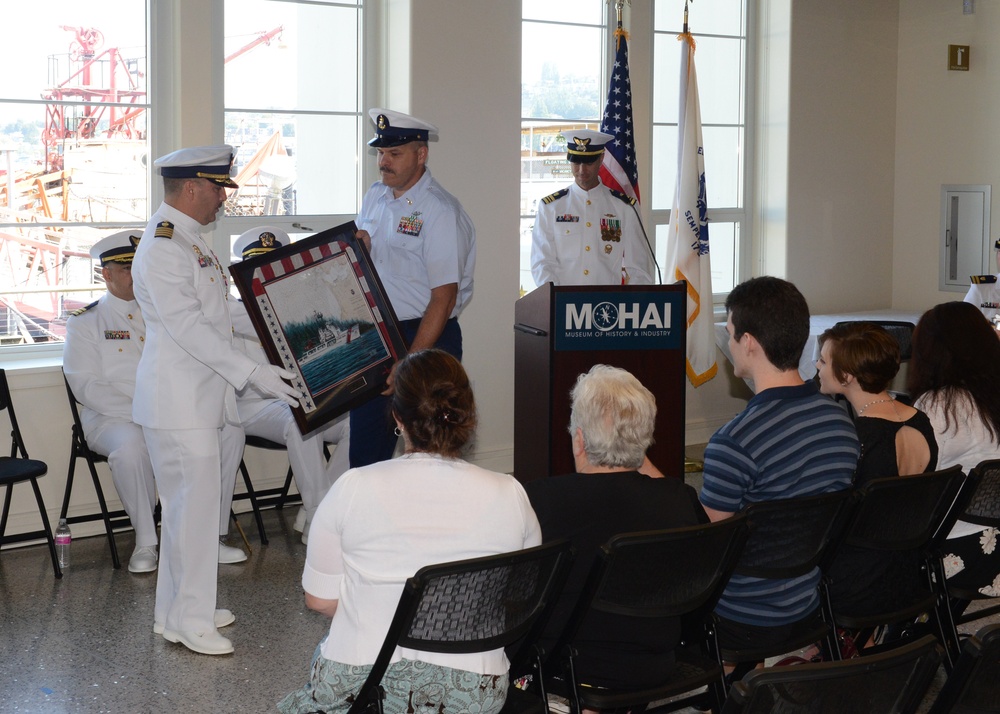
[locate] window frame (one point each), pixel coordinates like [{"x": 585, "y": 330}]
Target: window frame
[
  {"x": 743, "y": 217},
  {"x": 170, "y": 75}
]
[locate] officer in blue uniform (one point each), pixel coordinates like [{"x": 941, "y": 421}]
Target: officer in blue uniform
[{"x": 423, "y": 246}]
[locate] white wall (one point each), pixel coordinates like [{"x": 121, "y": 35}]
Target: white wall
[
  {"x": 946, "y": 133},
  {"x": 841, "y": 133}
]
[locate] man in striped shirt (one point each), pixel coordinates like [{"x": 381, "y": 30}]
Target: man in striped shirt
[{"x": 790, "y": 441}]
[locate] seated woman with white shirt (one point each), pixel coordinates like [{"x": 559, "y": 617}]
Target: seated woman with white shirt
[
  {"x": 955, "y": 378},
  {"x": 381, "y": 523}
]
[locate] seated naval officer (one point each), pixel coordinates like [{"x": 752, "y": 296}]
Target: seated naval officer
[
  {"x": 984, "y": 292},
  {"x": 588, "y": 234},
  {"x": 103, "y": 343},
  {"x": 272, "y": 419}
]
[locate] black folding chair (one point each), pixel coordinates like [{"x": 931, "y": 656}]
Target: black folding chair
[
  {"x": 471, "y": 606},
  {"x": 79, "y": 449},
  {"x": 266, "y": 497},
  {"x": 680, "y": 572},
  {"x": 973, "y": 687},
  {"x": 904, "y": 515},
  {"x": 18, "y": 468},
  {"x": 788, "y": 539},
  {"x": 983, "y": 509},
  {"x": 893, "y": 682}
]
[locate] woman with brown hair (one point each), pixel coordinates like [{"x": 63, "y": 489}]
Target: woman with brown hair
[
  {"x": 859, "y": 360},
  {"x": 381, "y": 523}
]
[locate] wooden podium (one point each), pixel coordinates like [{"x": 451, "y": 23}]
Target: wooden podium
[{"x": 561, "y": 332}]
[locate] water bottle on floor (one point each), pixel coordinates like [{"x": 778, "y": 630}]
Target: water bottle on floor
[{"x": 63, "y": 539}]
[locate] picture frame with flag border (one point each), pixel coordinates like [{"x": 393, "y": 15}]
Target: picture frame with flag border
[{"x": 320, "y": 311}]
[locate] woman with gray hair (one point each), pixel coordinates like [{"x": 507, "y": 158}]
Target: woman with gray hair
[
  {"x": 611, "y": 425},
  {"x": 613, "y": 417}
]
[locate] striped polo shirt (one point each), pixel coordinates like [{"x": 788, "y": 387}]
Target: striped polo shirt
[{"x": 788, "y": 442}]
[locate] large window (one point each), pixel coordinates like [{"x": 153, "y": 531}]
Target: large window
[
  {"x": 721, "y": 61},
  {"x": 74, "y": 153},
  {"x": 563, "y": 55},
  {"x": 75, "y": 150},
  {"x": 293, "y": 108}
]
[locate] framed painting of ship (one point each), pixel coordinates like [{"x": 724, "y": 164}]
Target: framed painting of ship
[{"x": 321, "y": 312}]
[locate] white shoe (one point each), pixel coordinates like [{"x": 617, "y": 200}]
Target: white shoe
[
  {"x": 209, "y": 643},
  {"x": 143, "y": 560},
  {"x": 301, "y": 522},
  {"x": 229, "y": 554},
  {"x": 222, "y": 619}
]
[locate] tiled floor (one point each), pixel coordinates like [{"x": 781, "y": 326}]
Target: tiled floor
[{"x": 84, "y": 644}]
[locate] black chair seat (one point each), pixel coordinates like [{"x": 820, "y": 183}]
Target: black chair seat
[
  {"x": 788, "y": 539},
  {"x": 113, "y": 520},
  {"x": 679, "y": 572},
  {"x": 804, "y": 633},
  {"x": 893, "y": 681},
  {"x": 18, "y": 470},
  {"x": 473, "y": 605},
  {"x": 690, "y": 670},
  {"x": 905, "y": 516},
  {"x": 983, "y": 509},
  {"x": 972, "y": 687},
  {"x": 268, "y": 497}
]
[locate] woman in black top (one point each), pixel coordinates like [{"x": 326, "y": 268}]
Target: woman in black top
[{"x": 859, "y": 360}]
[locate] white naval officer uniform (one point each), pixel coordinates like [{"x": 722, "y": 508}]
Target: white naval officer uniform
[
  {"x": 984, "y": 293},
  {"x": 185, "y": 401},
  {"x": 587, "y": 237},
  {"x": 103, "y": 344},
  {"x": 272, "y": 419}
]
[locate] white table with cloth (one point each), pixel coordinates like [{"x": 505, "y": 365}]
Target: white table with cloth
[{"x": 818, "y": 324}]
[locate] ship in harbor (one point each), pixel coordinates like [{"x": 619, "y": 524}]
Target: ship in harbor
[{"x": 329, "y": 338}]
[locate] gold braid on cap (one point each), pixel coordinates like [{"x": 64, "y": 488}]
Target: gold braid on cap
[{"x": 215, "y": 177}]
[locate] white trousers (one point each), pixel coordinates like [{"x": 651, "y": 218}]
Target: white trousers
[
  {"x": 313, "y": 475},
  {"x": 192, "y": 482},
  {"x": 123, "y": 444}
]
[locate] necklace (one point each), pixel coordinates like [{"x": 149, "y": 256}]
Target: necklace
[{"x": 874, "y": 401}]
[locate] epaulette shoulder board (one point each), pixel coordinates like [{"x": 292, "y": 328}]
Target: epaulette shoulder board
[
  {"x": 555, "y": 196},
  {"x": 983, "y": 279},
  {"x": 622, "y": 196},
  {"x": 164, "y": 229},
  {"x": 82, "y": 309}
]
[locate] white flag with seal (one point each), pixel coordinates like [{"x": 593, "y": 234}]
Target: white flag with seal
[{"x": 687, "y": 241}]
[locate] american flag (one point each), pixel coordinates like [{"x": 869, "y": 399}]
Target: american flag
[{"x": 619, "y": 170}]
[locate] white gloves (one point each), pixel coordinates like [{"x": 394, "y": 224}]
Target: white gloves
[{"x": 268, "y": 379}]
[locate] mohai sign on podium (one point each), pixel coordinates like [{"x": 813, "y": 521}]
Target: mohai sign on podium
[{"x": 561, "y": 332}]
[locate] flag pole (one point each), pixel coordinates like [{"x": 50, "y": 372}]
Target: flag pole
[{"x": 685, "y": 17}]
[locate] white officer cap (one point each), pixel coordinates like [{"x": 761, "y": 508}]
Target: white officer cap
[
  {"x": 214, "y": 163},
  {"x": 260, "y": 240},
  {"x": 116, "y": 248},
  {"x": 395, "y": 128},
  {"x": 584, "y": 146}
]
